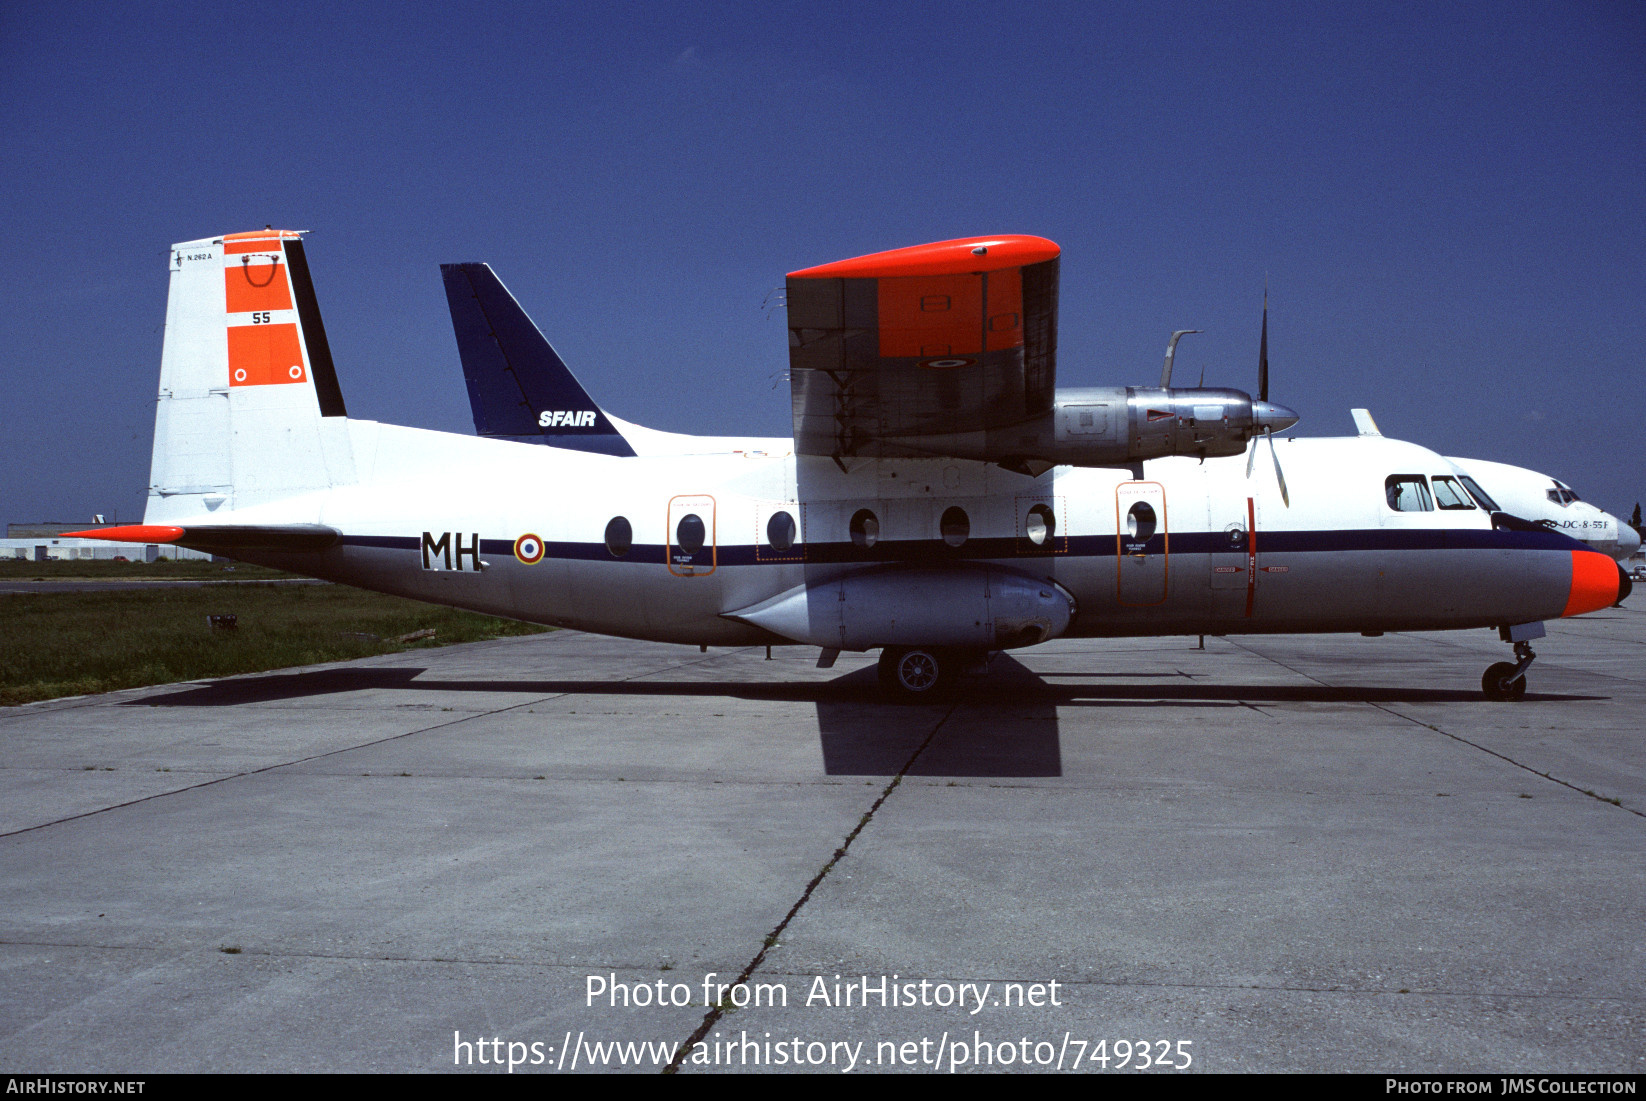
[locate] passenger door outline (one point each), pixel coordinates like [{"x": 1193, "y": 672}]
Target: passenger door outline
[
  {"x": 1140, "y": 570},
  {"x": 701, "y": 562}
]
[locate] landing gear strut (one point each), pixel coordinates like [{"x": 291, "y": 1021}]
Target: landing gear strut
[{"x": 1506, "y": 680}]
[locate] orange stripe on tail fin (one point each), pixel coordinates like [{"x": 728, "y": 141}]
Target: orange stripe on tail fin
[
  {"x": 257, "y": 240},
  {"x": 264, "y": 355},
  {"x": 256, "y": 286}
]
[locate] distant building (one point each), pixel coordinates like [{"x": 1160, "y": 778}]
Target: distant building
[{"x": 43, "y": 542}]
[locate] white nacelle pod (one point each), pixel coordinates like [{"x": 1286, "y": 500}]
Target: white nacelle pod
[{"x": 986, "y": 608}]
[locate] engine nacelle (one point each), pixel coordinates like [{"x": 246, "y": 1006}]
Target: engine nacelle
[
  {"x": 973, "y": 608},
  {"x": 1111, "y": 426},
  {"x": 1108, "y": 426}
]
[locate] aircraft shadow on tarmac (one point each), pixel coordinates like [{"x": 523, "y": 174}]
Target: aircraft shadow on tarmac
[{"x": 1002, "y": 725}]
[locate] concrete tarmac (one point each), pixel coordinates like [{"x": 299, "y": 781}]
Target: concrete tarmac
[{"x": 1276, "y": 854}]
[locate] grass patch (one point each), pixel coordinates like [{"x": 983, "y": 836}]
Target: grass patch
[
  {"x": 192, "y": 569},
  {"x": 70, "y": 644}
]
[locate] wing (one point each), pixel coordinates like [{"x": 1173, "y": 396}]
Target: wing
[{"x": 909, "y": 352}]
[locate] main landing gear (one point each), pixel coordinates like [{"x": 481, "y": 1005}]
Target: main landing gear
[
  {"x": 1506, "y": 680},
  {"x": 915, "y": 674},
  {"x": 919, "y": 673}
]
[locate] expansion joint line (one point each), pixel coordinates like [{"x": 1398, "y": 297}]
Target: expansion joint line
[
  {"x": 327, "y": 753},
  {"x": 1455, "y": 737},
  {"x": 712, "y": 1017}
]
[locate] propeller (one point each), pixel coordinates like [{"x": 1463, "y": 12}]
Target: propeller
[
  {"x": 1280, "y": 475},
  {"x": 1263, "y": 348},
  {"x": 1268, "y": 416}
]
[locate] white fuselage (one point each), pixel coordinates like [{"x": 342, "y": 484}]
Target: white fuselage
[
  {"x": 1534, "y": 496},
  {"x": 1191, "y": 547}
]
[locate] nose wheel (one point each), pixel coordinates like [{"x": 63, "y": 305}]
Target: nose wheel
[{"x": 1506, "y": 680}]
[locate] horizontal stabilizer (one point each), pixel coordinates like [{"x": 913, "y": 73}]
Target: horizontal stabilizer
[{"x": 220, "y": 537}]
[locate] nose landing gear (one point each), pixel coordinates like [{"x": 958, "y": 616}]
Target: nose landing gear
[{"x": 1506, "y": 680}]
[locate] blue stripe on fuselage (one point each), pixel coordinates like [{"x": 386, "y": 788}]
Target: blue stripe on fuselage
[{"x": 1084, "y": 546}]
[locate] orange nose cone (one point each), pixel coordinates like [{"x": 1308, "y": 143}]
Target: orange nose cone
[{"x": 1594, "y": 583}]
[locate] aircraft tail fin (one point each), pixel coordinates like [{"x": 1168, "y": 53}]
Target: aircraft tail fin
[
  {"x": 519, "y": 387},
  {"x": 249, "y": 407}
]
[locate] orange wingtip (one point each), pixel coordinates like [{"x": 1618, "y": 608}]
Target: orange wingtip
[
  {"x": 958, "y": 257},
  {"x": 131, "y": 533},
  {"x": 1594, "y": 582}
]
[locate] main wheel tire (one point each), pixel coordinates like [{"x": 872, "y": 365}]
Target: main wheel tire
[
  {"x": 1501, "y": 683},
  {"x": 915, "y": 673}
]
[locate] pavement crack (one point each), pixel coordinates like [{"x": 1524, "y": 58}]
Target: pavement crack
[
  {"x": 1457, "y": 738},
  {"x": 469, "y": 716},
  {"x": 712, "y": 1017}
]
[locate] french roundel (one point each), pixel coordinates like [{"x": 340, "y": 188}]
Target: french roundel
[{"x": 529, "y": 549}]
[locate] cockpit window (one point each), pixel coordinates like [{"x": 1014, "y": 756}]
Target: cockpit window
[
  {"x": 1451, "y": 495},
  {"x": 1408, "y": 493},
  {"x": 1482, "y": 498},
  {"x": 1561, "y": 494}
]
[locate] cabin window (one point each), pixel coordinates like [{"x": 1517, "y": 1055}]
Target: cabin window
[
  {"x": 865, "y": 528},
  {"x": 1141, "y": 522},
  {"x": 619, "y": 536},
  {"x": 1407, "y": 493},
  {"x": 780, "y": 531},
  {"x": 1450, "y": 495},
  {"x": 1482, "y": 498},
  {"x": 955, "y": 525},
  {"x": 690, "y": 533},
  {"x": 1040, "y": 525}
]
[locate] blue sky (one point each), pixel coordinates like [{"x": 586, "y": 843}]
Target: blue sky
[{"x": 1448, "y": 201}]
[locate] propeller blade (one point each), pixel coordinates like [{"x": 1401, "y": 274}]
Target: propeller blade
[
  {"x": 1280, "y": 475},
  {"x": 1251, "y": 456},
  {"x": 1263, "y": 350}
]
